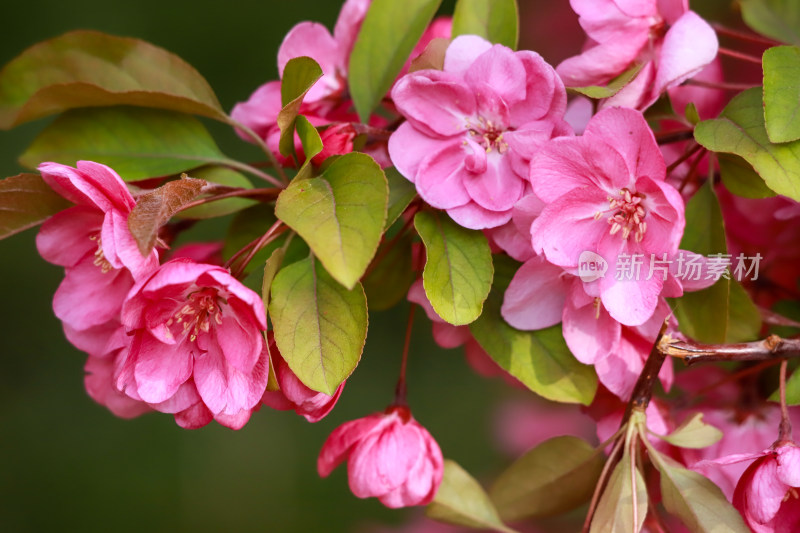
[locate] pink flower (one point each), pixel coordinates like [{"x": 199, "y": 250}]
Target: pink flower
[
  {"x": 767, "y": 494},
  {"x": 293, "y": 394},
  {"x": 605, "y": 193},
  {"x": 472, "y": 128},
  {"x": 196, "y": 342},
  {"x": 671, "y": 42},
  {"x": 389, "y": 456}
]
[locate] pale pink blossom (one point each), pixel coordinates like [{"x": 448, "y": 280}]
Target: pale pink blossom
[
  {"x": 605, "y": 193},
  {"x": 390, "y": 456},
  {"x": 293, "y": 394},
  {"x": 669, "y": 42},
  {"x": 196, "y": 342},
  {"x": 472, "y": 128}
]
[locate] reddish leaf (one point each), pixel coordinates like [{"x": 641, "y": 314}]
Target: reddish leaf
[
  {"x": 89, "y": 69},
  {"x": 26, "y": 201},
  {"x": 154, "y": 209}
]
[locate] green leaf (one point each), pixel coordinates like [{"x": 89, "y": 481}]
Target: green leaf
[
  {"x": 340, "y": 214},
  {"x": 782, "y": 93},
  {"x": 271, "y": 267},
  {"x": 387, "y": 283},
  {"x": 462, "y": 501},
  {"x": 539, "y": 359},
  {"x": 154, "y": 209},
  {"x": 740, "y": 130},
  {"x": 694, "y": 499},
  {"x": 779, "y": 19},
  {"x": 613, "y": 87},
  {"x": 555, "y": 477},
  {"x": 401, "y": 193},
  {"x": 137, "y": 143},
  {"x": 792, "y": 390},
  {"x": 494, "y": 20},
  {"x": 312, "y": 145},
  {"x": 320, "y": 327},
  {"x": 389, "y": 33},
  {"x": 739, "y": 177},
  {"x": 299, "y": 75},
  {"x": 691, "y": 113},
  {"x": 26, "y": 201},
  {"x": 615, "y": 510},
  {"x": 458, "y": 269},
  {"x": 221, "y": 176},
  {"x": 89, "y": 69},
  {"x": 693, "y": 433},
  {"x": 723, "y": 312}
]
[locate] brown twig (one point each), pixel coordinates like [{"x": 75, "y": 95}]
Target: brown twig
[
  {"x": 267, "y": 193},
  {"x": 771, "y": 348},
  {"x": 643, "y": 390},
  {"x": 401, "y": 389}
]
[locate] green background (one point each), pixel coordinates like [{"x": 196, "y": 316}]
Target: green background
[{"x": 66, "y": 464}]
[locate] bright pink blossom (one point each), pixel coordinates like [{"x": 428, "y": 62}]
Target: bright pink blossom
[
  {"x": 196, "y": 343},
  {"x": 389, "y": 456},
  {"x": 472, "y": 128},
  {"x": 293, "y": 394},
  {"x": 605, "y": 193},
  {"x": 768, "y": 494},
  {"x": 670, "y": 43}
]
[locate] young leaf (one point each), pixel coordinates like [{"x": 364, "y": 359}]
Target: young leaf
[
  {"x": 458, "y": 270},
  {"x": 494, "y": 20},
  {"x": 26, "y": 201},
  {"x": 615, "y": 511},
  {"x": 221, "y": 176},
  {"x": 739, "y": 177},
  {"x": 401, "y": 193},
  {"x": 137, "y": 143},
  {"x": 89, "y": 68},
  {"x": 462, "y": 501},
  {"x": 782, "y": 93},
  {"x": 320, "y": 327},
  {"x": 740, "y": 130},
  {"x": 389, "y": 281},
  {"x": 539, "y": 359},
  {"x": 555, "y": 477},
  {"x": 694, "y": 433},
  {"x": 779, "y": 19},
  {"x": 389, "y": 33},
  {"x": 299, "y": 75},
  {"x": 154, "y": 209},
  {"x": 340, "y": 214},
  {"x": 271, "y": 267},
  {"x": 613, "y": 87},
  {"x": 698, "y": 502}
]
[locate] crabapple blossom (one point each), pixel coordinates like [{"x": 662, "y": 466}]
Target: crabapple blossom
[
  {"x": 605, "y": 193},
  {"x": 472, "y": 128},
  {"x": 389, "y": 456},
  {"x": 293, "y": 394},
  {"x": 196, "y": 343},
  {"x": 671, "y": 44}
]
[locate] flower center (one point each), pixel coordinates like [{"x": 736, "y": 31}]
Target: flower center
[
  {"x": 196, "y": 316},
  {"x": 627, "y": 214},
  {"x": 488, "y": 134},
  {"x": 100, "y": 259}
]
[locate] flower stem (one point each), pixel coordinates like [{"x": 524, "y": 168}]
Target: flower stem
[
  {"x": 267, "y": 193},
  {"x": 252, "y": 248},
  {"x": 739, "y": 55},
  {"x": 742, "y": 36},
  {"x": 238, "y": 165},
  {"x": 261, "y": 144},
  {"x": 602, "y": 481},
  {"x": 401, "y": 389},
  {"x": 686, "y": 155},
  {"x": 785, "y": 428},
  {"x": 722, "y": 86}
]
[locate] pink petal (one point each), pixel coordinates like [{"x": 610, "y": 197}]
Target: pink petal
[
  {"x": 637, "y": 8},
  {"x": 638, "y": 93},
  {"x": 568, "y": 227},
  {"x": 160, "y": 369},
  {"x": 313, "y": 40},
  {"x": 601, "y": 63},
  {"x": 591, "y": 334},
  {"x": 450, "y": 336},
  {"x": 766, "y": 491},
  {"x": 93, "y": 340},
  {"x": 89, "y": 297},
  {"x": 382, "y": 460},
  {"x": 536, "y": 295},
  {"x": 103, "y": 180},
  {"x": 338, "y": 445},
  {"x": 236, "y": 421},
  {"x": 463, "y": 51},
  {"x": 435, "y": 102},
  {"x": 545, "y": 97},
  {"x": 689, "y": 45},
  {"x": 498, "y": 188},
  {"x": 631, "y": 302},
  {"x": 789, "y": 465},
  {"x": 407, "y": 145},
  {"x": 260, "y": 111},
  {"x": 629, "y": 134},
  {"x": 185, "y": 397},
  {"x": 500, "y": 69},
  {"x": 440, "y": 179},
  {"x": 349, "y": 23},
  {"x": 99, "y": 386},
  {"x": 473, "y": 216},
  {"x": 671, "y": 10},
  {"x": 65, "y": 238},
  {"x": 241, "y": 346},
  {"x": 194, "y": 417}
]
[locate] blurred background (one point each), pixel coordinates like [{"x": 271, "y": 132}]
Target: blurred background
[{"x": 67, "y": 464}]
